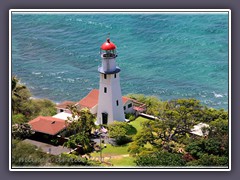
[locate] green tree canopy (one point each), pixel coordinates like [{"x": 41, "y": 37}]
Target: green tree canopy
[
  {"x": 22, "y": 131},
  {"x": 120, "y": 131},
  {"x": 81, "y": 122},
  {"x": 79, "y": 129},
  {"x": 160, "y": 158}
]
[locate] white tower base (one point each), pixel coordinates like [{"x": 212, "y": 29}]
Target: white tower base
[{"x": 110, "y": 106}]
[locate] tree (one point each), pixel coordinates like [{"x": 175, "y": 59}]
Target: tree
[
  {"x": 22, "y": 131},
  {"x": 30, "y": 108},
  {"x": 209, "y": 160},
  {"x": 25, "y": 154},
  {"x": 160, "y": 158},
  {"x": 176, "y": 122},
  {"x": 16, "y": 87},
  {"x": 36, "y": 107},
  {"x": 79, "y": 129},
  {"x": 20, "y": 94},
  {"x": 216, "y": 143},
  {"x": 81, "y": 141},
  {"x": 81, "y": 121},
  {"x": 153, "y": 104},
  {"x": 119, "y": 131},
  {"x": 18, "y": 118}
]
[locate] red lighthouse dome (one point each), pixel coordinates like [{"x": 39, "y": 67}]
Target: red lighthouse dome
[{"x": 108, "y": 45}]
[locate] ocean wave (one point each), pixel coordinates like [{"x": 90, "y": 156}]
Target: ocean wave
[
  {"x": 69, "y": 80},
  {"x": 36, "y": 73},
  {"x": 217, "y": 95}
]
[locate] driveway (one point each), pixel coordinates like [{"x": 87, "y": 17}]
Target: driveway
[{"x": 48, "y": 148}]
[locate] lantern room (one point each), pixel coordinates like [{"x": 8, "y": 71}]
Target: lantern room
[{"x": 108, "y": 49}]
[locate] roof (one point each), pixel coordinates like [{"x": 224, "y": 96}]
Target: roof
[
  {"x": 197, "y": 129},
  {"x": 108, "y": 45},
  {"x": 62, "y": 115},
  {"x": 64, "y": 104},
  {"x": 91, "y": 99},
  {"x": 48, "y": 125},
  {"x": 125, "y": 99},
  {"x": 139, "y": 109}
]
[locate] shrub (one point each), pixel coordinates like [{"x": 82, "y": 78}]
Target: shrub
[
  {"x": 209, "y": 160},
  {"x": 130, "y": 117},
  {"x": 18, "y": 118},
  {"x": 160, "y": 158},
  {"x": 25, "y": 154},
  {"x": 119, "y": 131}
]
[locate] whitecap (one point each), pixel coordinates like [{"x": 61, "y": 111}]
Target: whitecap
[
  {"x": 217, "y": 95},
  {"x": 36, "y": 73},
  {"x": 80, "y": 20}
]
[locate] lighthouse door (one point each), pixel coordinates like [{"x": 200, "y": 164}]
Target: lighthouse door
[{"x": 104, "y": 118}]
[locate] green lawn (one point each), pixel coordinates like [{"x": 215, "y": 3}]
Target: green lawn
[
  {"x": 137, "y": 123},
  {"x": 123, "y": 162},
  {"x": 113, "y": 150},
  {"x": 117, "y": 154}
]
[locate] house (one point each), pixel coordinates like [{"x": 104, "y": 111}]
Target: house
[
  {"x": 63, "y": 107},
  {"x": 91, "y": 102},
  {"x": 48, "y": 125},
  {"x": 64, "y": 116}
]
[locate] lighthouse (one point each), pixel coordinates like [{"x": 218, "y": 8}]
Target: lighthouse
[{"x": 110, "y": 105}]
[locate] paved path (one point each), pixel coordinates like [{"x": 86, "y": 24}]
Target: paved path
[{"x": 48, "y": 148}]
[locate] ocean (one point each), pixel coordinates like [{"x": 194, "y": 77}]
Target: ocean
[{"x": 170, "y": 56}]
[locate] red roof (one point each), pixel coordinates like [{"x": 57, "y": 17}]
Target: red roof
[
  {"x": 48, "y": 125},
  {"x": 91, "y": 99},
  {"x": 65, "y": 104},
  {"x": 139, "y": 109},
  {"x": 108, "y": 45},
  {"x": 125, "y": 99}
]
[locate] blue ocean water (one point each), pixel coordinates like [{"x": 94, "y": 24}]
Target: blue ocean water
[{"x": 166, "y": 55}]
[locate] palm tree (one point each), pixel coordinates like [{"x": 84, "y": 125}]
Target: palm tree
[
  {"x": 82, "y": 123},
  {"x": 16, "y": 89}
]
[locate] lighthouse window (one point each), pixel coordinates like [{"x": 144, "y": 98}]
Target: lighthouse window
[
  {"x": 105, "y": 90},
  {"x": 115, "y": 75},
  {"x": 117, "y": 102},
  {"x": 124, "y": 108},
  {"x": 130, "y": 105},
  {"x": 105, "y": 76}
]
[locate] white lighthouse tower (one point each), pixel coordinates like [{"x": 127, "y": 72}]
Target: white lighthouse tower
[{"x": 110, "y": 106}]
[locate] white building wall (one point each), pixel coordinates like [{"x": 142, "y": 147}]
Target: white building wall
[
  {"x": 94, "y": 109},
  {"x": 59, "y": 110},
  {"x": 128, "y": 110}
]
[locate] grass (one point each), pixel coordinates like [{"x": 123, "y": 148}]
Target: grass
[
  {"x": 137, "y": 123},
  {"x": 112, "y": 150},
  {"x": 118, "y": 155},
  {"x": 123, "y": 162}
]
